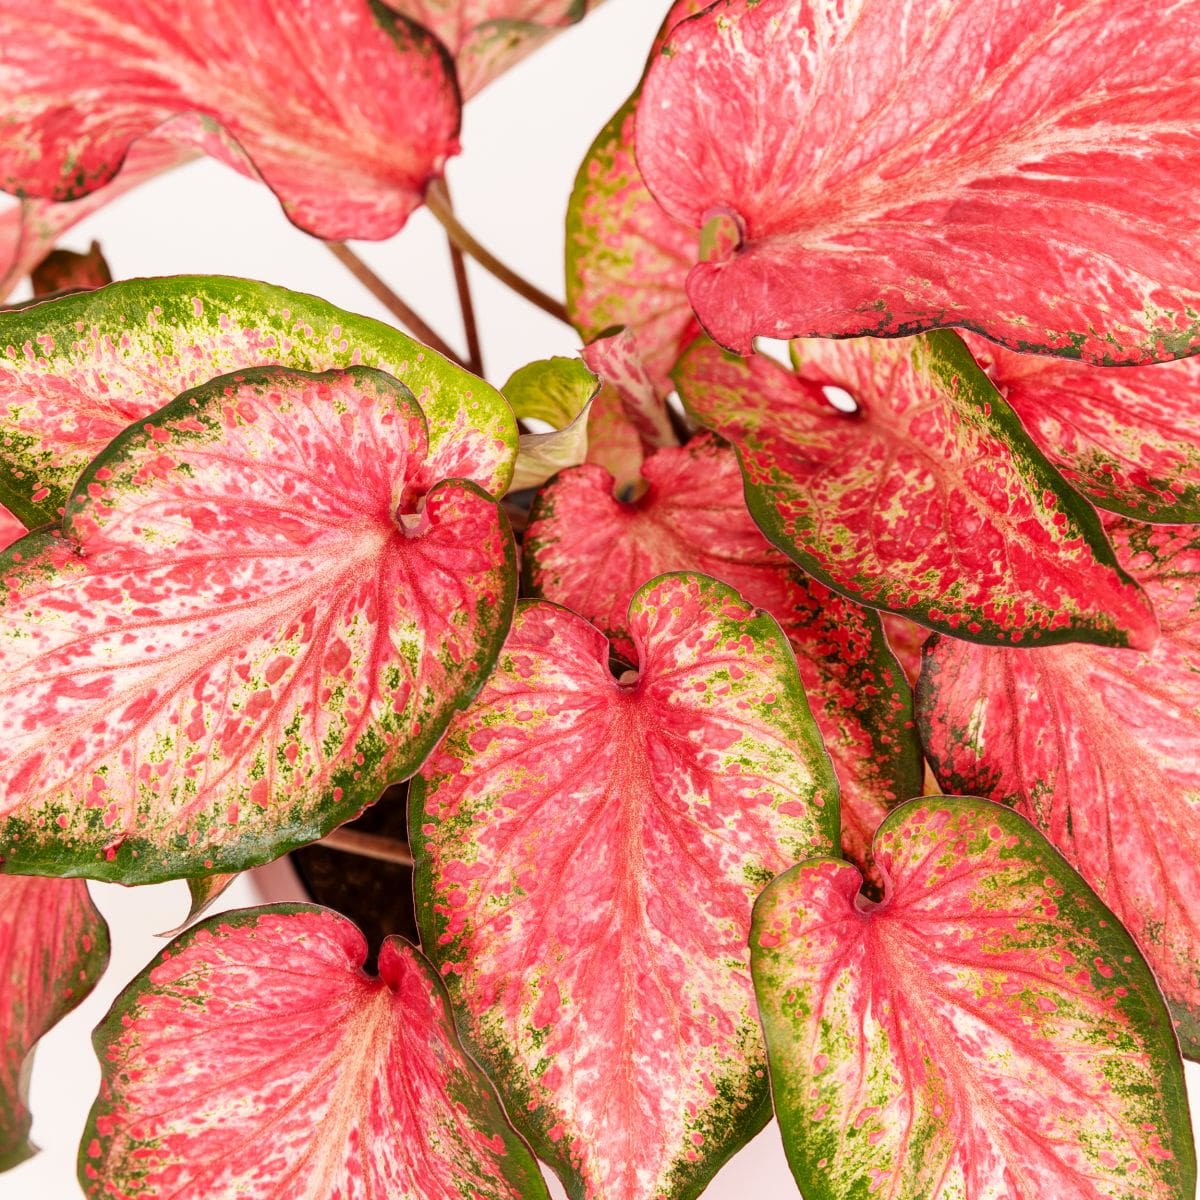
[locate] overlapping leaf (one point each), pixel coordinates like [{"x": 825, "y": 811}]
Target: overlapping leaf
[
  {"x": 75, "y": 372},
  {"x": 587, "y": 853},
  {"x": 53, "y": 947},
  {"x": 264, "y": 606},
  {"x": 988, "y": 1030},
  {"x": 930, "y": 500},
  {"x": 1128, "y": 438},
  {"x": 254, "y": 1057},
  {"x": 346, "y": 111},
  {"x": 587, "y": 550},
  {"x": 1101, "y": 750},
  {"x": 888, "y": 168},
  {"x": 619, "y": 361},
  {"x": 486, "y": 37}
]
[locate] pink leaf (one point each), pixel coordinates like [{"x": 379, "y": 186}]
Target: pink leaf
[
  {"x": 10, "y": 528},
  {"x": 254, "y": 1058},
  {"x": 1128, "y": 438},
  {"x": 1027, "y": 170},
  {"x": 265, "y": 606},
  {"x": 53, "y": 948},
  {"x": 929, "y": 500},
  {"x": 346, "y": 111},
  {"x": 989, "y": 1030},
  {"x": 587, "y": 854},
  {"x": 1101, "y": 750},
  {"x": 618, "y": 360},
  {"x": 590, "y": 552},
  {"x": 487, "y": 37},
  {"x": 75, "y": 372}
]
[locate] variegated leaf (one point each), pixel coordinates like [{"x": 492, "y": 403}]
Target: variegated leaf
[
  {"x": 929, "y": 500},
  {"x": 1128, "y": 438},
  {"x": 589, "y": 551},
  {"x": 53, "y": 948},
  {"x": 346, "y": 111},
  {"x": 266, "y": 603},
  {"x": 75, "y": 372},
  {"x": 486, "y": 37},
  {"x": 1029, "y": 170},
  {"x": 1101, "y": 750},
  {"x": 617, "y": 359},
  {"x": 254, "y": 1058},
  {"x": 587, "y": 854},
  {"x": 29, "y": 229},
  {"x": 989, "y": 1030}
]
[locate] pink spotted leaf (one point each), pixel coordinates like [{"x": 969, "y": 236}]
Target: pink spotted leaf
[
  {"x": 890, "y": 168},
  {"x": 1127, "y": 437},
  {"x": 589, "y": 551},
  {"x": 987, "y": 1030},
  {"x": 1100, "y": 749},
  {"x": 929, "y": 499},
  {"x": 346, "y": 111},
  {"x": 265, "y": 603},
  {"x": 254, "y": 1057},
  {"x": 75, "y": 372},
  {"x": 53, "y": 949},
  {"x": 587, "y": 854}
]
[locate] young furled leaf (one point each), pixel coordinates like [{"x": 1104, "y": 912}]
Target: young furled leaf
[
  {"x": 587, "y": 854},
  {"x": 589, "y": 551},
  {"x": 267, "y": 601},
  {"x": 53, "y": 948},
  {"x": 76, "y": 371},
  {"x": 1101, "y": 750},
  {"x": 346, "y": 111},
  {"x": 69, "y": 271},
  {"x": 617, "y": 359},
  {"x": 486, "y": 37},
  {"x": 988, "y": 1030},
  {"x": 862, "y": 168},
  {"x": 1128, "y": 438},
  {"x": 254, "y": 1057},
  {"x": 929, "y": 500}
]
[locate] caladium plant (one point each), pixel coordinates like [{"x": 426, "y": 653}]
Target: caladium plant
[{"x": 630, "y": 637}]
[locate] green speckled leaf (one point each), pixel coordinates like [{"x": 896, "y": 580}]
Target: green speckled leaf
[{"x": 558, "y": 391}]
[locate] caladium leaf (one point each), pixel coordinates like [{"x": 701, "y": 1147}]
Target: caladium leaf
[
  {"x": 1128, "y": 438},
  {"x": 71, "y": 271},
  {"x": 558, "y": 391},
  {"x": 617, "y": 359},
  {"x": 589, "y": 551},
  {"x": 1101, "y": 750},
  {"x": 906, "y": 638},
  {"x": 988, "y": 1030},
  {"x": 29, "y": 229},
  {"x": 347, "y": 112},
  {"x": 887, "y": 168},
  {"x": 53, "y": 947},
  {"x": 627, "y": 259},
  {"x": 265, "y": 605},
  {"x": 254, "y": 1057},
  {"x": 486, "y": 37},
  {"x": 75, "y": 372},
  {"x": 10, "y": 528},
  {"x": 587, "y": 854},
  {"x": 930, "y": 500}
]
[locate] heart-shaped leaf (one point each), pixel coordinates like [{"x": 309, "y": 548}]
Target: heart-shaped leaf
[
  {"x": 486, "y": 37},
  {"x": 929, "y": 500},
  {"x": 867, "y": 168},
  {"x": 1101, "y": 750},
  {"x": 346, "y": 111},
  {"x": 76, "y": 371},
  {"x": 589, "y": 551},
  {"x": 53, "y": 947},
  {"x": 989, "y": 1030},
  {"x": 254, "y": 1057},
  {"x": 587, "y": 854},
  {"x": 265, "y": 605},
  {"x": 1128, "y": 438}
]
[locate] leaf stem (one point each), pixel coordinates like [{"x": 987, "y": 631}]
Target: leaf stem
[
  {"x": 466, "y": 303},
  {"x": 388, "y": 298},
  {"x": 368, "y": 845},
  {"x": 438, "y": 200}
]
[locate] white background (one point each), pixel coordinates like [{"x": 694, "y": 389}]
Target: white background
[{"x": 523, "y": 139}]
